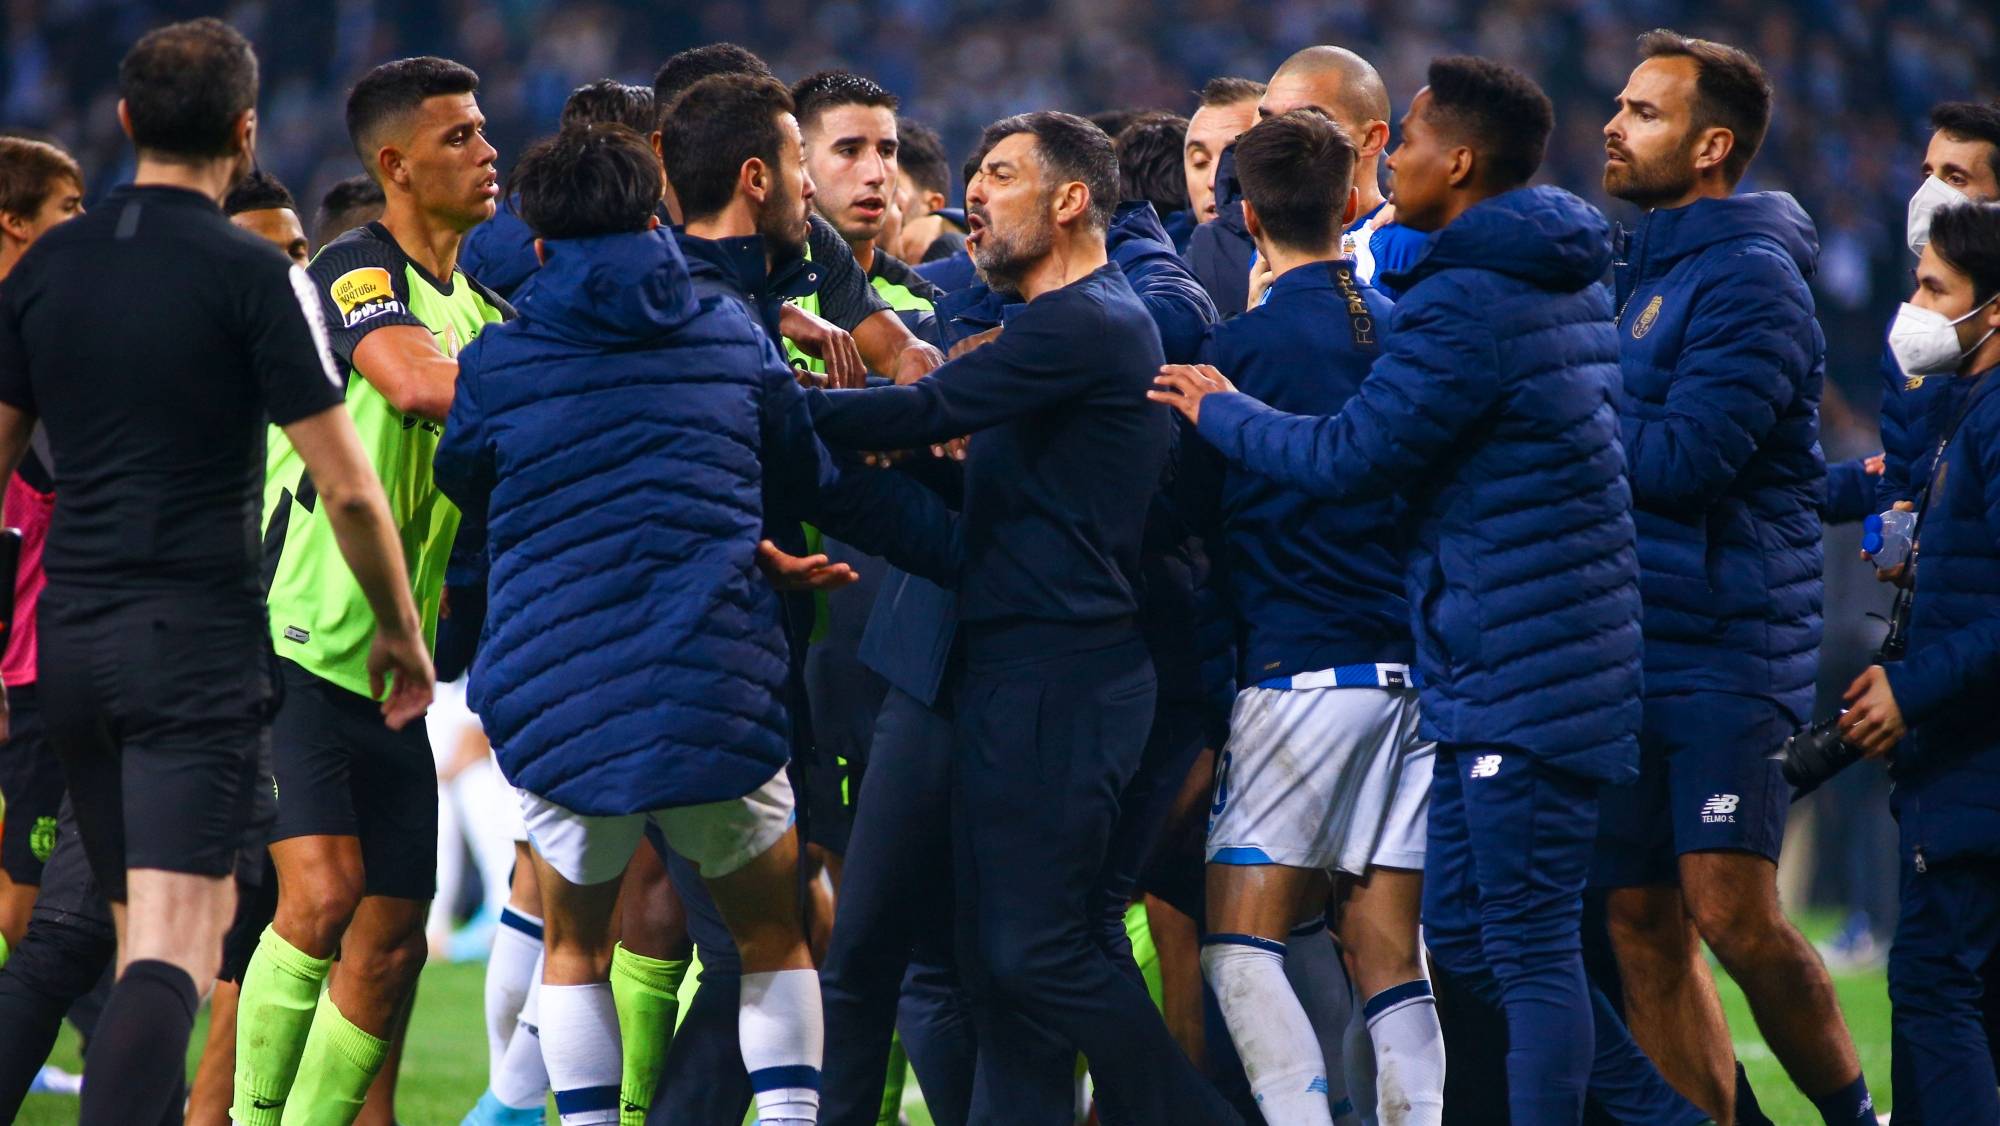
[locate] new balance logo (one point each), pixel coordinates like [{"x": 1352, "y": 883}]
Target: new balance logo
[
  {"x": 1485, "y": 766},
  {"x": 1719, "y": 808}
]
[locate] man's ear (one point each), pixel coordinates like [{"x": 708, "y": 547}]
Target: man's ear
[
  {"x": 653, "y": 221},
  {"x": 1373, "y": 139},
  {"x": 542, "y": 251},
  {"x": 1072, "y": 203},
  {"x": 14, "y": 226},
  {"x": 934, "y": 200},
  {"x": 1460, "y": 169},
  {"x": 753, "y": 180},
  {"x": 1353, "y": 207},
  {"x": 1251, "y": 223},
  {"x": 389, "y": 162},
  {"x": 244, "y": 131},
  {"x": 1713, "y": 147}
]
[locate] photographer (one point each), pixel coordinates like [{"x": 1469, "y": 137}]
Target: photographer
[{"x": 1947, "y": 795}]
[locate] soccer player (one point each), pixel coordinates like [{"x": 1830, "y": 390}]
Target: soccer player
[
  {"x": 40, "y": 186},
  {"x": 1064, "y": 460},
  {"x": 1228, "y": 107},
  {"x": 1723, "y": 362},
  {"x": 356, "y": 832},
  {"x": 152, "y": 630},
  {"x": 1324, "y": 773},
  {"x": 597, "y": 749},
  {"x": 263, "y": 206},
  {"x": 852, "y": 331},
  {"x": 1492, "y": 411},
  {"x": 350, "y": 203}
]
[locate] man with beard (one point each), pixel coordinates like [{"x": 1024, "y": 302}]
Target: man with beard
[
  {"x": 1054, "y": 693},
  {"x": 1722, "y": 363},
  {"x": 356, "y": 834}
]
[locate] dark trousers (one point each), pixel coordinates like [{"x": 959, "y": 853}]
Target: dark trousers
[
  {"x": 1051, "y": 731},
  {"x": 890, "y": 963},
  {"x": 1510, "y": 849},
  {"x": 1947, "y": 931}
]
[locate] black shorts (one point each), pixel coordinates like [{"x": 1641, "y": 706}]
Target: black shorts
[
  {"x": 159, "y": 708},
  {"x": 342, "y": 773},
  {"x": 31, "y": 789}
]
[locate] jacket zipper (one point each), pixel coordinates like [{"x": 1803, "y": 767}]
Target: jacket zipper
[{"x": 1635, "y": 265}]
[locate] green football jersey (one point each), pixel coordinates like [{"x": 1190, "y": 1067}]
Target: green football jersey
[{"x": 319, "y": 616}]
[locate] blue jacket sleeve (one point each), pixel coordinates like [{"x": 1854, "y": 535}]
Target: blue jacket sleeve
[
  {"x": 1180, "y": 307},
  {"x": 1030, "y": 367},
  {"x": 880, "y": 512},
  {"x": 463, "y": 465},
  {"x": 1902, "y": 438},
  {"x": 1739, "y": 367},
  {"x": 1439, "y": 372},
  {"x": 1950, "y": 670},
  {"x": 1850, "y": 493}
]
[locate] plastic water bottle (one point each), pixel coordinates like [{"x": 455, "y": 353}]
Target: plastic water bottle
[{"x": 1886, "y": 537}]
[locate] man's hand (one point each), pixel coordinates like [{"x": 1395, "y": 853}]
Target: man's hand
[
  {"x": 822, "y": 341},
  {"x": 1260, "y": 280},
  {"x": 398, "y": 662},
  {"x": 916, "y": 361},
  {"x": 975, "y": 342},
  {"x": 1873, "y": 721},
  {"x": 792, "y": 573},
  {"x": 1873, "y": 466},
  {"x": 1185, "y": 385}
]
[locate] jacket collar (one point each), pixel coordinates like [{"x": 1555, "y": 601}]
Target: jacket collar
[
  {"x": 738, "y": 265},
  {"x": 1311, "y": 276},
  {"x": 1664, "y": 236}
]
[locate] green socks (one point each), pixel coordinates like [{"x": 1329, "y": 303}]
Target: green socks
[
  {"x": 273, "y": 1017},
  {"x": 338, "y": 1067},
  {"x": 3, "y": 950},
  {"x": 892, "y": 1087},
  {"x": 646, "y": 991}
]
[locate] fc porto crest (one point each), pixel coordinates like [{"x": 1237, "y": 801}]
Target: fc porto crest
[
  {"x": 1913, "y": 382},
  {"x": 1647, "y": 316}
]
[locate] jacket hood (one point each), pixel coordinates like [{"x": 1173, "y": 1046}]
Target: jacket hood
[
  {"x": 1665, "y": 236},
  {"x": 608, "y": 288},
  {"x": 1133, "y": 225},
  {"x": 1542, "y": 235}
]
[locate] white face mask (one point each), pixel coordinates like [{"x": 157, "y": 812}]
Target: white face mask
[
  {"x": 1925, "y": 342},
  {"x": 1931, "y": 195}
]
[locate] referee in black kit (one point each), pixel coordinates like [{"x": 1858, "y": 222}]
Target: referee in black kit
[{"x": 153, "y": 339}]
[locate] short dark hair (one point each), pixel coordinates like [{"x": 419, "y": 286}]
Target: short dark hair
[
  {"x": 1070, "y": 148},
  {"x": 712, "y": 129},
  {"x": 1966, "y": 236},
  {"x": 688, "y": 67},
  {"x": 185, "y": 85},
  {"x": 397, "y": 88},
  {"x": 828, "y": 89},
  {"x": 587, "y": 180},
  {"x": 1114, "y": 121},
  {"x": 1226, "y": 90},
  {"x": 29, "y": 171},
  {"x": 1296, "y": 170},
  {"x": 608, "y": 100},
  {"x": 343, "y": 205},
  {"x": 1971, "y": 121},
  {"x": 1149, "y": 161},
  {"x": 259, "y": 191},
  {"x": 920, "y": 154},
  {"x": 1496, "y": 111},
  {"x": 1731, "y": 90}
]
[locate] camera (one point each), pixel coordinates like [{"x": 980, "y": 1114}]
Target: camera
[{"x": 1816, "y": 754}]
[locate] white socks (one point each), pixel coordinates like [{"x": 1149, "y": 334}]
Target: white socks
[
  {"x": 1409, "y": 1054},
  {"x": 523, "y": 1078},
  {"x": 1280, "y": 1055},
  {"x": 510, "y": 970},
  {"x": 580, "y": 1044},
  {"x": 779, "y": 1026},
  {"x": 1319, "y": 979}
]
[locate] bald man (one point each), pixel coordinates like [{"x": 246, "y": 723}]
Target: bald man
[{"x": 1345, "y": 87}]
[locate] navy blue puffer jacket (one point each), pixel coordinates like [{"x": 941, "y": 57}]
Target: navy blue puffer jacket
[
  {"x": 624, "y": 439},
  {"x": 1948, "y": 771},
  {"x": 1722, "y": 366},
  {"x": 1491, "y": 411}
]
